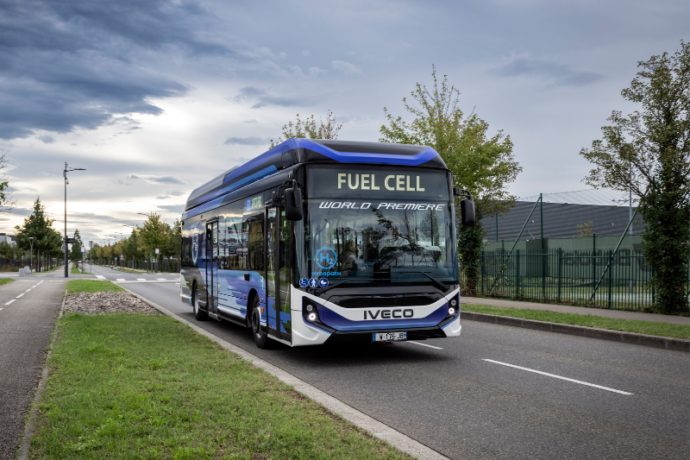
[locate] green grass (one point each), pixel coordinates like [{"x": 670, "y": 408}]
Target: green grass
[
  {"x": 129, "y": 270},
  {"x": 5, "y": 280},
  {"x": 136, "y": 386},
  {"x": 679, "y": 331},
  {"x": 76, "y": 286}
]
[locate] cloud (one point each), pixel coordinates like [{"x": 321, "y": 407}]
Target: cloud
[
  {"x": 316, "y": 71},
  {"x": 250, "y": 121},
  {"x": 246, "y": 140},
  {"x": 68, "y": 65},
  {"x": 46, "y": 139},
  {"x": 550, "y": 72},
  {"x": 305, "y": 53},
  {"x": 264, "y": 99},
  {"x": 156, "y": 179},
  {"x": 346, "y": 67},
  {"x": 174, "y": 208}
]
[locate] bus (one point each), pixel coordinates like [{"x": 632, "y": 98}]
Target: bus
[{"x": 318, "y": 241}]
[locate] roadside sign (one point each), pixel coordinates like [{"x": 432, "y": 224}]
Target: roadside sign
[
  {"x": 158, "y": 251},
  {"x": 122, "y": 257},
  {"x": 91, "y": 244},
  {"x": 83, "y": 249}
]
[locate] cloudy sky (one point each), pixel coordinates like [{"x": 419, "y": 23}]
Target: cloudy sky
[{"x": 155, "y": 97}]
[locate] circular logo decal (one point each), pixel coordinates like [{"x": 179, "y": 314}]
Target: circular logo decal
[
  {"x": 326, "y": 258},
  {"x": 323, "y": 282},
  {"x": 303, "y": 283}
]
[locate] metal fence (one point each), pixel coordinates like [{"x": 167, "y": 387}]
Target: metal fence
[{"x": 603, "y": 278}]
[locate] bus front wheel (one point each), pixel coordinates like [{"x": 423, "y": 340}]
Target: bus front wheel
[
  {"x": 260, "y": 337},
  {"x": 198, "y": 314}
]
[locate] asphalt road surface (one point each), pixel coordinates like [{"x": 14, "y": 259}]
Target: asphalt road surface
[
  {"x": 29, "y": 307},
  {"x": 495, "y": 392}
]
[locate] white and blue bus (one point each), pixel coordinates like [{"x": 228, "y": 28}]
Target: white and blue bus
[{"x": 321, "y": 241}]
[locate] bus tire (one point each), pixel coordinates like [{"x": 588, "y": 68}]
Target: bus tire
[
  {"x": 260, "y": 337},
  {"x": 199, "y": 315}
]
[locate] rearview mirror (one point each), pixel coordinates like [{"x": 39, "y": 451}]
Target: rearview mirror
[
  {"x": 293, "y": 202},
  {"x": 467, "y": 210}
]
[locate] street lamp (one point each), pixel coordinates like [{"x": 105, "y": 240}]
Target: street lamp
[
  {"x": 31, "y": 256},
  {"x": 64, "y": 174}
]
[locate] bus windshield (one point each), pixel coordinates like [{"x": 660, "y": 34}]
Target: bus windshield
[{"x": 399, "y": 230}]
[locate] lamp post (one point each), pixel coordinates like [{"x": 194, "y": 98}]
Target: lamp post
[
  {"x": 31, "y": 254},
  {"x": 64, "y": 174}
]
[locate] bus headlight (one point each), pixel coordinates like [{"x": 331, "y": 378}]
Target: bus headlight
[
  {"x": 451, "y": 311},
  {"x": 310, "y": 307},
  {"x": 453, "y": 303},
  {"x": 311, "y": 317}
]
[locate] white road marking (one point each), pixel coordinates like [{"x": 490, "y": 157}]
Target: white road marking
[
  {"x": 10, "y": 301},
  {"x": 177, "y": 283},
  {"x": 425, "y": 345},
  {"x": 20, "y": 295},
  {"x": 162, "y": 279},
  {"x": 559, "y": 377},
  {"x": 120, "y": 279},
  {"x": 27, "y": 290},
  {"x": 141, "y": 279},
  {"x": 100, "y": 277},
  {"x": 0, "y": 309}
]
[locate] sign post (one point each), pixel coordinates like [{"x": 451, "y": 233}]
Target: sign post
[
  {"x": 158, "y": 251},
  {"x": 83, "y": 257}
]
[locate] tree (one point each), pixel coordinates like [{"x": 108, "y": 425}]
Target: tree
[
  {"x": 482, "y": 164},
  {"x": 585, "y": 229},
  {"x": 310, "y": 129},
  {"x": 155, "y": 233},
  {"x": 175, "y": 243},
  {"x": 37, "y": 225},
  {"x": 75, "y": 253},
  {"x": 6, "y": 200},
  {"x": 648, "y": 153}
]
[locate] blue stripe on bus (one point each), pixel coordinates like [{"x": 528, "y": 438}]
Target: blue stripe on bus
[{"x": 339, "y": 323}]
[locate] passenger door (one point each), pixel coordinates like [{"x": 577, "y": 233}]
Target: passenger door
[
  {"x": 212, "y": 267},
  {"x": 278, "y": 274}
]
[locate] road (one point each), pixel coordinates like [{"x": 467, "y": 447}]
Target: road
[
  {"x": 462, "y": 398},
  {"x": 28, "y": 310}
]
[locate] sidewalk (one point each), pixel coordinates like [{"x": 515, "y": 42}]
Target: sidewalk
[{"x": 617, "y": 314}]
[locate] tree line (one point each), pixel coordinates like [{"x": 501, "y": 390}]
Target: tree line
[{"x": 143, "y": 241}]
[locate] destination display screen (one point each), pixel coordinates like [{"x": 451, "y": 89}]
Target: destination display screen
[{"x": 346, "y": 182}]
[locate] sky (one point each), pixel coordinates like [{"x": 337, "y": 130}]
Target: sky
[{"x": 154, "y": 98}]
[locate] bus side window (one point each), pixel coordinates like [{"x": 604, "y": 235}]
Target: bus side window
[{"x": 253, "y": 228}]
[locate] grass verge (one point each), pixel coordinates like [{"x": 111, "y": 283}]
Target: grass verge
[
  {"x": 76, "y": 271},
  {"x": 678, "y": 331},
  {"x": 5, "y": 280},
  {"x": 118, "y": 389},
  {"x": 75, "y": 286}
]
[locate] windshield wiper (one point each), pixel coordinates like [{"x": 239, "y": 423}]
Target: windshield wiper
[{"x": 436, "y": 282}]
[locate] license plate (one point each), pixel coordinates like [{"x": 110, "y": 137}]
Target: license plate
[{"x": 388, "y": 336}]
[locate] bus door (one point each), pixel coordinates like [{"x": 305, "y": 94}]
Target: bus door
[
  {"x": 271, "y": 304},
  {"x": 277, "y": 274},
  {"x": 212, "y": 266}
]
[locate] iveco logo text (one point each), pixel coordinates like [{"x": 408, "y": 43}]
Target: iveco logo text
[{"x": 387, "y": 314}]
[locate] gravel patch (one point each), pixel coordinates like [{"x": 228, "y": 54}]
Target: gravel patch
[{"x": 98, "y": 303}]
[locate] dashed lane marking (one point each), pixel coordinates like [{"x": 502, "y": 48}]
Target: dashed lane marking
[
  {"x": 141, "y": 279},
  {"x": 162, "y": 279},
  {"x": 10, "y": 301},
  {"x": 425, "y": 345},
  {"x": 120, "y": 279},
  {"x": 100, "y": 277},
  {"x": 560, "y": 377},
  {"x": 21, "y": 294}
]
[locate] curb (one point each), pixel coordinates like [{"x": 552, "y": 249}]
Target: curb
[
  {"x": 30, "y": 427},
  {"x": 349, "y": 413},
  {"x": 645, "y": 340}
]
